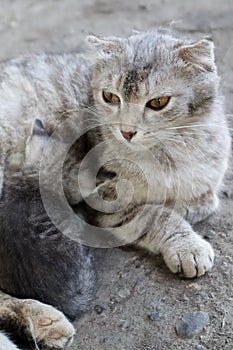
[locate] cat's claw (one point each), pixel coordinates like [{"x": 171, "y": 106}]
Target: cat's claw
[
  {"x": 192, "y": 257},
  {"x": 47, "y": 326}
]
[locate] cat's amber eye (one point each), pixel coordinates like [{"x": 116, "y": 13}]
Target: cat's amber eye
[
  {"x": 158, "y": 103},
  {"x": 109, "y": 97}
]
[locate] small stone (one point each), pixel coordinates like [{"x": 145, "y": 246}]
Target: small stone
[
  {"x": 191, "y": 324},
  {"x": 112, "y": 304},
  {"x": 154, "y": 316},
  {"x": 210, "y": 234},
  {"x": 124, "y": 293},
  {"x": 123, "y": 324},
  {"x": 193, "y": 286},
  {"x": 199, "y": 347},
  {"x": 106, "y": 339},
  {"x": 137, "y": 264},
  {"x": 183, "y": 297},
  {"x": 99, "y": 309},
  {"x": 142, "y": 7}
]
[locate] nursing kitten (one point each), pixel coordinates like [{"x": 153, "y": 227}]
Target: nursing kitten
[
  {"x": 163, "y": 128},
  {"x": 50, "y": 267},
  {"x": 36, "y": 260}
]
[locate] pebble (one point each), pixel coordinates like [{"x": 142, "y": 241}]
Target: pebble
[
  {"x": 154, "y": 316},
  {"x": 99, "y": 309},
  {"x": 183, "y": 297},
  {"x": 137, "y": 264},
  {"x": 193, "y": 286},
  {"x": 113, "y": 305},
  {"x": 142, "y": 7},
  {"x": 106, "y": 338},
  {"x": 124, "y": 293},
  {"x": 123, "y": 324},
  {"x": 210, "y": 234},
  {"x": 200, "y": 347},
  {"x": 192, "y": 324}
]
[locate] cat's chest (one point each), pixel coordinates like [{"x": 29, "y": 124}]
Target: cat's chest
[{"x": 156, "y": 180}]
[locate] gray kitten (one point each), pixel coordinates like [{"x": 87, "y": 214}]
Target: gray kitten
[
  {"x": 53, "y": 268},
  {"x": 36, "y": 260},
  {"x": 163, "y": 128}
]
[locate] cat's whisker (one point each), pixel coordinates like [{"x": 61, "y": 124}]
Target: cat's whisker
[
  {"x": 194, "y": 147},
  {"x": 197, "y": 126},
  {"x": 92, "y": 110},
  {"x": 187, "y": 134},
  {"x": 81, "y": 108},
  {"x": 189, "y": 126},
  {"x": 192, "y": 136},
  {"x": 68, "y": 112},
  {"x": 180, "y": 140}
]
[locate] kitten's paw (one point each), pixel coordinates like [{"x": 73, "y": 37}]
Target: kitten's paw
[
  {"x": 191, "y": 256},
  {"x": 47, "y": 326}
]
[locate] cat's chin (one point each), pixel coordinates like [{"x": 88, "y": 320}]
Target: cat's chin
[{"x": 132, "y": 145}]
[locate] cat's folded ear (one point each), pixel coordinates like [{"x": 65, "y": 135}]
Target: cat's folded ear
[
  {"x": 105, "y": 47},
  {"x": 199, "y": 55},
  {"x": 35, "y": 143}
]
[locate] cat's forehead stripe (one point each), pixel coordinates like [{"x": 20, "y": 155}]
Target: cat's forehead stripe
[{"x": 132, "y": 82}]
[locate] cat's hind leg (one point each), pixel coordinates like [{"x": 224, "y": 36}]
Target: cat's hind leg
[{"x": 41, "y": 322}]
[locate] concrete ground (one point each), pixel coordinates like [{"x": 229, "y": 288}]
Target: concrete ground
[{"x": 132, "y": 286}]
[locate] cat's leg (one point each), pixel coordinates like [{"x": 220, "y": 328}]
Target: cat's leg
[
  {"x": 6, "y": 343},
  {"x": 38, "y": 321},
  {"x": 201, "y": 208},
  {"x": 183, "y": 250},
  {"x": 162, "y": 230}
]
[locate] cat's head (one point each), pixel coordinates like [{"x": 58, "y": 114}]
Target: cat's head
[{"x": 151, "y": 81}]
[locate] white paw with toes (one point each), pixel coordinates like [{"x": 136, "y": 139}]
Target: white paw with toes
[
  {"x": 47, "y": 325},
  {"x": 191, "y": 256}
]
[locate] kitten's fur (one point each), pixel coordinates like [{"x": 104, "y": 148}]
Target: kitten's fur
[
  {"x": 36, "y": 260},
  {"x": 188, "y": 139},
  {"x": 53, "y": 268}
]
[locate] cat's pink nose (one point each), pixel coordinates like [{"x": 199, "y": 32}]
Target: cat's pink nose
[{"x": 128, "y": 134}]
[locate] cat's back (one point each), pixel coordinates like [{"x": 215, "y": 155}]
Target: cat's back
[
  {"x": 41, "y": 86},
  {"x": 49, "y": 87}
]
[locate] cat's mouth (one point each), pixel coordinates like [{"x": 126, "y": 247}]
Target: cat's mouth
[{"x": 141, "y": 140}]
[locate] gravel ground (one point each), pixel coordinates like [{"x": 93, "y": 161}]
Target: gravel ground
[{"x": 140, "y": 305}]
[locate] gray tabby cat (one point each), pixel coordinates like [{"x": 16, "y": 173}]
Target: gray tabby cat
[
  {"x": 159, "y": 101},
  {"x": 162, "y": 94}
]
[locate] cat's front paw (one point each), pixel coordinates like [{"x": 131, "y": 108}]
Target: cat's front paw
[
  {"x": 46, "y": 325},
  {"x": 190, "y": 255}
]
